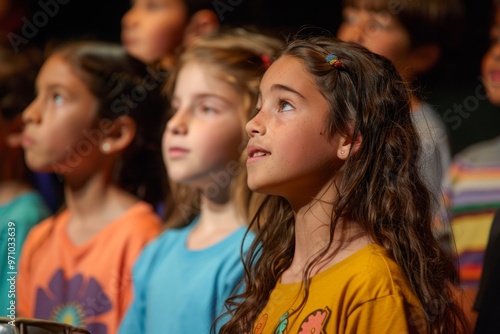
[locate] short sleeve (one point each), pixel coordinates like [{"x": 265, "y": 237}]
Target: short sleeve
[{"x": 390, "y": 314}]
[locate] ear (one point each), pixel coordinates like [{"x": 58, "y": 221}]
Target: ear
[
  {"x": 201, "y": 23},
  {"x": 124, "y": 129},
  {"x": 347, "y": 146},
  {"x": 424, "y": 57}
]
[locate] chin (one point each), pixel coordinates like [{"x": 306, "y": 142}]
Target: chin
[
  {"x": 494, "y": 99},
  {"x": 261, "y": 188}
]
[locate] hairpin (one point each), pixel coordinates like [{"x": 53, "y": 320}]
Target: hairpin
[
  {"x": 333, "y": 60},
  {"x": 266, "y": 60}
]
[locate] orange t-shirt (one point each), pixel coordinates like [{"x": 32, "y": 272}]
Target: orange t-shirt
[{"x": 88, "y": 285}]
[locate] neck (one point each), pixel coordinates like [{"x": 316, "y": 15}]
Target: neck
[
  {"x": 95, "y": 201},
  {"x": 218, "y": 219},
  {"x": 312, "y": 230},
  {"x": 312, "y": 235},
  {"x": 219, "y": 215}
]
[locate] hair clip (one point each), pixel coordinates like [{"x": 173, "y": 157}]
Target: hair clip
[
  {"x": 333, "y": 60},
  {"x": 266, "y": 60}
]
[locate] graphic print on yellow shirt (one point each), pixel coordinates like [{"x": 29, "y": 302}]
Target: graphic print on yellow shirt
[{"x": 314, "y": 323}]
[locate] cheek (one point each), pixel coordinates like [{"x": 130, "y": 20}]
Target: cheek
[
  {"x": 486, "y": 64},
  {"x": 57, "y": 147},
  {"x": 383, "y": 47},
  {"x": 303, "y": 146},
  {"x": 221, "y": 147},
  {"x": 165, "y": 36},
  {"x": 74, "y": 134}
]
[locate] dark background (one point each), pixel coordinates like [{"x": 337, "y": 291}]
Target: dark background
[{"x": 453, "y": 83}]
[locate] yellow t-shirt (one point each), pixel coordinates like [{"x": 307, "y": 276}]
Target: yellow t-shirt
[{"x": 365, "y": 293}]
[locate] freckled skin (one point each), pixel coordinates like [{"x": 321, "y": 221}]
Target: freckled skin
[{"x": 290, "y": 170}]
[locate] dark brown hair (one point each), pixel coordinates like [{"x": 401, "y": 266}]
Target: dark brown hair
[
  {"x": 382, "y": 191},
  {"x": 124, "y": 86}
]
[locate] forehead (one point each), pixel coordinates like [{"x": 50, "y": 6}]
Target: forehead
[
  {"x": 201, "y": 78},
  {"x": 288, "y": 71},
  {"x": 371, "y": 5},
  {"x": 57, "y": 69}
]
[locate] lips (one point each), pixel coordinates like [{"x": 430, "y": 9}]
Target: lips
[
  {"x": 494, "y": 77},
  {"x": 256, "y": 153},
  {"x": 27, "y": 141},
  {"x": 177, "y": 152}
]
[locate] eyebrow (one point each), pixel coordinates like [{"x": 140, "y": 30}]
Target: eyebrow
[
  {"x": 49, "y": 87},
  {"x": 203, "y": 96},
  {"x": 286, "y": 88}
]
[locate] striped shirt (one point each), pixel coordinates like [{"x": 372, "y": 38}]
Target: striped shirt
[{"x": 472, "y": 191}]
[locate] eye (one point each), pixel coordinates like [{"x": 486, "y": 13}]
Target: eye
[
  {"x": 58, "y": 99},
  {"x": 348, "y": 19},
  {"x": 349, "y": 16},
  {"x": 374, "y": 25},
  {"x": 207, "y": 109},
  {"x": 285, "y": 106}
]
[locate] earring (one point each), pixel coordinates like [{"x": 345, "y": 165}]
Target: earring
[
  {"x": 105, "y": 147},
  {"x": 342, "y": 152}
]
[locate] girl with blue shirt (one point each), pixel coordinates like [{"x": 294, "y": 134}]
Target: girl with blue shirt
[{"x": 182, "y": 279}]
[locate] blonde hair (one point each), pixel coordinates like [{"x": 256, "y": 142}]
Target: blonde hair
[{"x": 238, "y": 57}]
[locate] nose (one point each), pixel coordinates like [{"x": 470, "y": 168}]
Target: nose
[
  {"x": 32, "y": 113},
  {"x": 255, "y": 126},
  {"x": 178, "y": 123}
]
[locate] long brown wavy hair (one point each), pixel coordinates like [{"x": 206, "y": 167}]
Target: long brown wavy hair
[
  {"x": 124, "y": 86},
  {"x": 380, "y": 186},
  {"x": 239, "y": 57}
]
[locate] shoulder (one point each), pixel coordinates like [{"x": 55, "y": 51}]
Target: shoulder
[
  {"x": 485, "y": 153},
  {"x": 427, "y": 118},
  {"x": 243, "y": 236},
  {"x": 164, "y": 243},
  {"x": 371, "y": 274},
  {"x": 429, "y": 125},
  {"x": 234, "y": 248},
  {"x": 140, "y": 220},
  {"x": 143, "y": 211},
  {"x": 43, "y": 231},
  {"x": 154, "y": 255},
  {"x": 26, "y": 210}
]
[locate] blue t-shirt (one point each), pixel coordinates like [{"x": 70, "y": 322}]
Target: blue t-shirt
[
  {"x": 177, "y": 290},
  {"x": 17, "y": 217}
]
